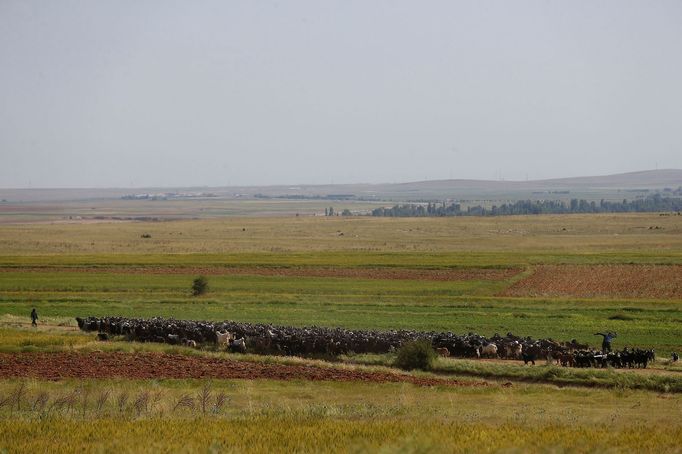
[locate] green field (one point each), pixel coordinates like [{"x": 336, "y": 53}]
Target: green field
[
  {"x": 80, "y": 269},
  {"x": 368, "y": 304}
]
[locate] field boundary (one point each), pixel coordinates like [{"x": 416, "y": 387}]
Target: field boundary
[{"x": 383, "y": 273}]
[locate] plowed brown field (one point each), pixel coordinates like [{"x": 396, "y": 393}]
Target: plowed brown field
[
  {"x": 612, "y": 281},
  {"x": 56, "y": 366},
  {"x": 463, "y": 274}
]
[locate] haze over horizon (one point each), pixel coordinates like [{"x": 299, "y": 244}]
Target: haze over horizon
[
  {"x": 152, "y": 94},
  {"x": 670, "y": 177}
]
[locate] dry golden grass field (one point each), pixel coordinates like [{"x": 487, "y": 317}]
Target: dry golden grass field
[{"x": 651, "y": 237}]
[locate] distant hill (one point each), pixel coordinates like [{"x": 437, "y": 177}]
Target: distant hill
[
  {"x": 609, "y": 186},
  {"x": 618, "y": 186},
  {"x": 644, "y": 179}
]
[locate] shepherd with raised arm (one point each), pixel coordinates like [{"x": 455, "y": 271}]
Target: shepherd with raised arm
[{"x": 606, "y": 343}]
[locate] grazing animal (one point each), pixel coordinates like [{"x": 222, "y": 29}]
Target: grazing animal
[
  {"x": 288, "y": 340},
  {"x": 102, "y": 336},
  {"x": 567, "y": 360},
  {"x": 443, "y": 351},
  {"x": 489, "y": 350},
  {"x": 190, "y": 343},
  {"x": 238, "y": 345},
  {"x": 674, "y": 357},
  {"x": 574, "y": 345},
  {"x": 528, "y": 358},
  {"x": 584, "y": 358},
  {"x": 553, "y": 357},
  {"x": 514, "y": 350},
  {"x": 223, "y": 339}
]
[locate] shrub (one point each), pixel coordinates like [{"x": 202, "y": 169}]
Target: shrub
[
  {"x": 417, "y": 354},
  {"x": 199, "y": 286}
]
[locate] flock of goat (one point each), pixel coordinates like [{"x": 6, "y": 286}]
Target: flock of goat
[{"x": 319, "y": 341}]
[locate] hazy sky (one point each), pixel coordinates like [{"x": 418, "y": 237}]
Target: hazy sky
[{"x": 160, "y": 93}]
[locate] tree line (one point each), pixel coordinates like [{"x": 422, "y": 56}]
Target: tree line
[{"x": 649, "y": 204}]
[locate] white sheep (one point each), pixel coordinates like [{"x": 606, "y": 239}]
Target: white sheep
[{"x": 223, "y": 339}]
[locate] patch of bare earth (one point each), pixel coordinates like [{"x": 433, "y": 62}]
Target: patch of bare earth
[
  {"x": 56, "y": 366},
  {"x": 463, "y": 274},
  {"x": 613, "y": 281}
]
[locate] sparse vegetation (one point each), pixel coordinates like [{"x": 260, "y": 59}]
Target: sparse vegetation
[
  {"x": 416, "y": 355},
  {"x": 328, "y": 416},
  {"x": 199, "y": 286}
]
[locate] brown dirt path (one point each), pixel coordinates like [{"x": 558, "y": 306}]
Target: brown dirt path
[{"x": 56, "y": 366}]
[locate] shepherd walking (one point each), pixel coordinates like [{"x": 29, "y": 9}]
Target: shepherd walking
[
  {"x": 606, "y": 343},
  {"x": 34, "y": 317}
]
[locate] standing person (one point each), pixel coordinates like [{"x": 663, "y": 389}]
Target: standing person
[
  {"x": 34, "y": 317},
  {"x": 606, "y": 343}
]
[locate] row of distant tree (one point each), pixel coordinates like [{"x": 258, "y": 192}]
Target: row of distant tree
[{"x": 649, "y": 204}]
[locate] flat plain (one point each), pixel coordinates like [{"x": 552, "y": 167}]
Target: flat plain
[{"x": 564, "y": 277}]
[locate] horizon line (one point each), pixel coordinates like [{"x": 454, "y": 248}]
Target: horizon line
[{"x": 334, "y": 184}]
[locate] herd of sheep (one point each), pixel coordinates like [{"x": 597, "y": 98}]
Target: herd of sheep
[{"x": 321, "y": 341}]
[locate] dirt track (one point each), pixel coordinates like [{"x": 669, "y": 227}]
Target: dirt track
[
  {"x": 608, "y": 281},
  {"x": 56, "y": 366},
  {"x": 464, "y": 274}
]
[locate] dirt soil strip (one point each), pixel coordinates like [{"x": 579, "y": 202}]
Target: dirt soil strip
[
  {"x": 56, "y": 366},
  {"x": 463, "y": 274},
  {"x": 612, "y": 281}
]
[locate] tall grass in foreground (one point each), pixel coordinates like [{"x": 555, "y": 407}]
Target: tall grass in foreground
[
  {"x": 312, "y": 434},
  {"x": 255, "y": 416}
]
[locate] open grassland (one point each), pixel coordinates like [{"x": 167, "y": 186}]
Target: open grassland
[
  {"x": 267, "y": 416},
  {"x": 438, "y": 241},
  {"x": 457, "y": 306},
  {"x": 654, "y": 325},
  {"x": 423, "y": 274}
]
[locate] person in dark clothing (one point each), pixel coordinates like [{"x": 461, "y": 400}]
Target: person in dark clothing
[
  {"x": 34, "y": 317},
  {"x": 606, "y": 343}
]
